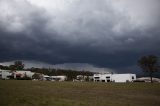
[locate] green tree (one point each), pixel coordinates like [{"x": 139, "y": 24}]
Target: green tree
[
  {"x": 12, "y": 67},
  {"x": 149, "y": 64},
  {"x": 19, "y": 65}
]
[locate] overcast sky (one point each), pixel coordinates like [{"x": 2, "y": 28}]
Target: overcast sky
[{"x": 104, "y": 33}]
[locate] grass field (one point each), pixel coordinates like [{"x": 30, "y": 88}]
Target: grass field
[{"x": 44, "y": 93}]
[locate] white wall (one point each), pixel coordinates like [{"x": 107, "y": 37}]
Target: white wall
[
  {"x": 114, "y": 77},
  {"x": 121, "y": 78},
  {"x": 96, "y": 77},
  {"x": 106, "y": 77}
]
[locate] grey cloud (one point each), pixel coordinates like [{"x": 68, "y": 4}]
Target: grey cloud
[{"x": 105, "y": 33}]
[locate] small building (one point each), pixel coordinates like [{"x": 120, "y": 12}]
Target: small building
[
  {"x": 114, "y": 77},
  {"x": 21, "y": 74},
  {"x": 5, "y": 74}
]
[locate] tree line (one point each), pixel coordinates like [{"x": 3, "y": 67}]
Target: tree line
[
  {"x": 71, "y": 74},
  {"x": 148, "y": 63}
]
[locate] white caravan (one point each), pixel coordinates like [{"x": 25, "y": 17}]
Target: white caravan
[{"x": 58, "y": 78}]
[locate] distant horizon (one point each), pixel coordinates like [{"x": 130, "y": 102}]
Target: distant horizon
[{"x": 72, "y": 66}]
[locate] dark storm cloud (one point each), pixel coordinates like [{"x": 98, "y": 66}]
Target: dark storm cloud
[{"x": 105, "y": 33}]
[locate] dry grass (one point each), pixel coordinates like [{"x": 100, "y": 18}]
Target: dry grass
[{"x": 43, "y": 93}]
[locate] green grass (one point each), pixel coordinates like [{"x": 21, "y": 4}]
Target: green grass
[{"x": 44, "y": 93}]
